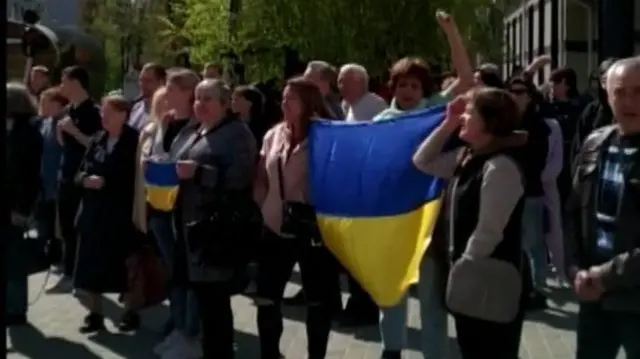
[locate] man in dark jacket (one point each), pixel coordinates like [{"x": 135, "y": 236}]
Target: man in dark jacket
[
  {"x": 597, "y": 113},
  {"x": 603, "y": 237},
  {"x": 23, "y": 184}
]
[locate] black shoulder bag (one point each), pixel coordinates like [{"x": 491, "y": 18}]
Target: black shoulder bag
[
  {"x": 229, "y": 228},
  {"x": 298, "y": 218}
]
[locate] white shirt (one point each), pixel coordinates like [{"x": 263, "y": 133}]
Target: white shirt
[
  {"x": 138, "y": 116},
  {"x": 365, "y": 108}
]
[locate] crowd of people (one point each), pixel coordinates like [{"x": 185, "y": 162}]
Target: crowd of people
[{"x": 513, "y": 154}]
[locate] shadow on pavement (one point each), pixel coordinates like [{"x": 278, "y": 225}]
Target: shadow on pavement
[
  {"x": 557, "y": 316},
  {"x": 413, "y": 342},
  {"x": 127, "y": 345},
  {"x": 247, "y": 346},
  {"x": 32, "y": 343}
]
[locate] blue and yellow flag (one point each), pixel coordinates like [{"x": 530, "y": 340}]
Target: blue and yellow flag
[
  {"x": 375, "y": 210},
  {"x": 161, "y": 184}
]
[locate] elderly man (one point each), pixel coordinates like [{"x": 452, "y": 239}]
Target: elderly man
[
  {"x": 358, "y": 103},
  {"x": 603, "y": 240},
  {"x": 152, "y": 77},
  {"x": 324, "y": 76},
  {"x": 211, "y": 71},
  {"x": 39, "y": 80}
]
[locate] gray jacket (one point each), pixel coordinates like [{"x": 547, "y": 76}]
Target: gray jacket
[
  {"x": 621, "y": 274},
  {"x": 226, "y": 161}
]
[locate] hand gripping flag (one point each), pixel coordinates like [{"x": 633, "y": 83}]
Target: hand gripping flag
[
  {"x": 375, "y": 210},
  {"x": 161, "y": 184}
]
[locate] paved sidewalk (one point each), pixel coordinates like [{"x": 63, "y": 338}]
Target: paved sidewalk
[{"x": 55, "y": 318}]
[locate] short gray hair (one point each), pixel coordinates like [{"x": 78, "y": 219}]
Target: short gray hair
[
  {"x": 215, "y": 88},
  {"x": 20, "y": 102},
  {"x": 358, "y": 69},
  {"x": 626, "y": 64},
  {"x": 185, "y": 79},
  {"x": 323, "y": 68}
]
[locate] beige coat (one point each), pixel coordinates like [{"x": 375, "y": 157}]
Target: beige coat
[{"x": 140, "y": 198}]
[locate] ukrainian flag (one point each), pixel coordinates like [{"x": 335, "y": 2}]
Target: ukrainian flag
[
  {"x": 161, "y": 184},
  {"x": 375, "y": 210}
]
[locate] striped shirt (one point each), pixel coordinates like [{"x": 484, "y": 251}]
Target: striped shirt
[{"x": 616, "y": 159}]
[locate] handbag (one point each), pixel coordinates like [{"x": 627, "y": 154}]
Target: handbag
[
  {"x": 146, "y": 279},
  {"x": 298, "y": 218},
  {"x": 223, "y": 237},
  {"x": 484, "y": 288},
  {"x": 231, "y": 224}
]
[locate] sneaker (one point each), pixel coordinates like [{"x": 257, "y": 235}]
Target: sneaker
[
  {"x": 63, "y": 286},
  {"x": 130, "y": 321},
  {"x": 57, "y": 269},
  {"x": 168, "y": 342},
  {"x": 93, "y": 323},
  {"x": 183, "y": 348}
]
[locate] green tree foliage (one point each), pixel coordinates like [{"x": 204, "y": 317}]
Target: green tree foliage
[
  {"x": 140, "y": 21},
  {"x": 370, "y": 32}
]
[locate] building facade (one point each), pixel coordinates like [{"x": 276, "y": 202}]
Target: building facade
[{"x": 570, "y": 32}]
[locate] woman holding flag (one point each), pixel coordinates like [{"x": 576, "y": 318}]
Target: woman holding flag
[
  {"x": 414, "y": 90},
  {"x": 171, "y": 112},
  {"x": 291, "y": 233}
]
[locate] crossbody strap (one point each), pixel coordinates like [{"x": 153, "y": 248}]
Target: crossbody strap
[{"x": 280, "y": 179}]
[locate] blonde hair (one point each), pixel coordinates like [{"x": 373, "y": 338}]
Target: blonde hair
[{"x": 159, "y": 95}]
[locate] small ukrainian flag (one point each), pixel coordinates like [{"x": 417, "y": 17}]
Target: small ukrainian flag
[
  {"x": 375, "y": 210},
  {"x": 161, "y": 185}
]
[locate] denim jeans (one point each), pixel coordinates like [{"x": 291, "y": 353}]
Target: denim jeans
[
  {"x": 183, "y": 304},
  {"x": 601, "y": 333},
  {"x": 433, "y": 316},
  {"x": 16, "y": 266},
  {"x": 533, "y": 239}
]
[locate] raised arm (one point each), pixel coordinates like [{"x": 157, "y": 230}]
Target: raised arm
[
  {"x": 459, "y": 56},
  {"x": 430, "y": 158},
  {"x": 535, "y": 65}
]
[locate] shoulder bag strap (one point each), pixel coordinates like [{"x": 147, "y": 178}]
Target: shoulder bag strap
[{"x": 280, "y": 179}]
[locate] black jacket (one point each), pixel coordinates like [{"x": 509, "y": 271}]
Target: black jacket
[
  {"x": 533, "y": 155},
  {"x": 621, "y": 274},
  {"x": 24, "y": 149},
  {"x": 597, "y": 114}
]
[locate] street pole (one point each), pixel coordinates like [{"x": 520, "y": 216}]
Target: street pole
[
  {"x": 29, "y": 38},
  {"x": 27, "y": 70}
]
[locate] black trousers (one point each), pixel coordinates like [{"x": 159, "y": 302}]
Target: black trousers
[
  {"x": 214, "y": 306},
  {"x": 481, "y": 339},
  {"x": 69, "y": 196},
  {"x": 45, "y": 216},
  {"x": 275, "y": 265},
  {"x": 602, "y": 333},
  {"x": 360, "y": 305}
]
